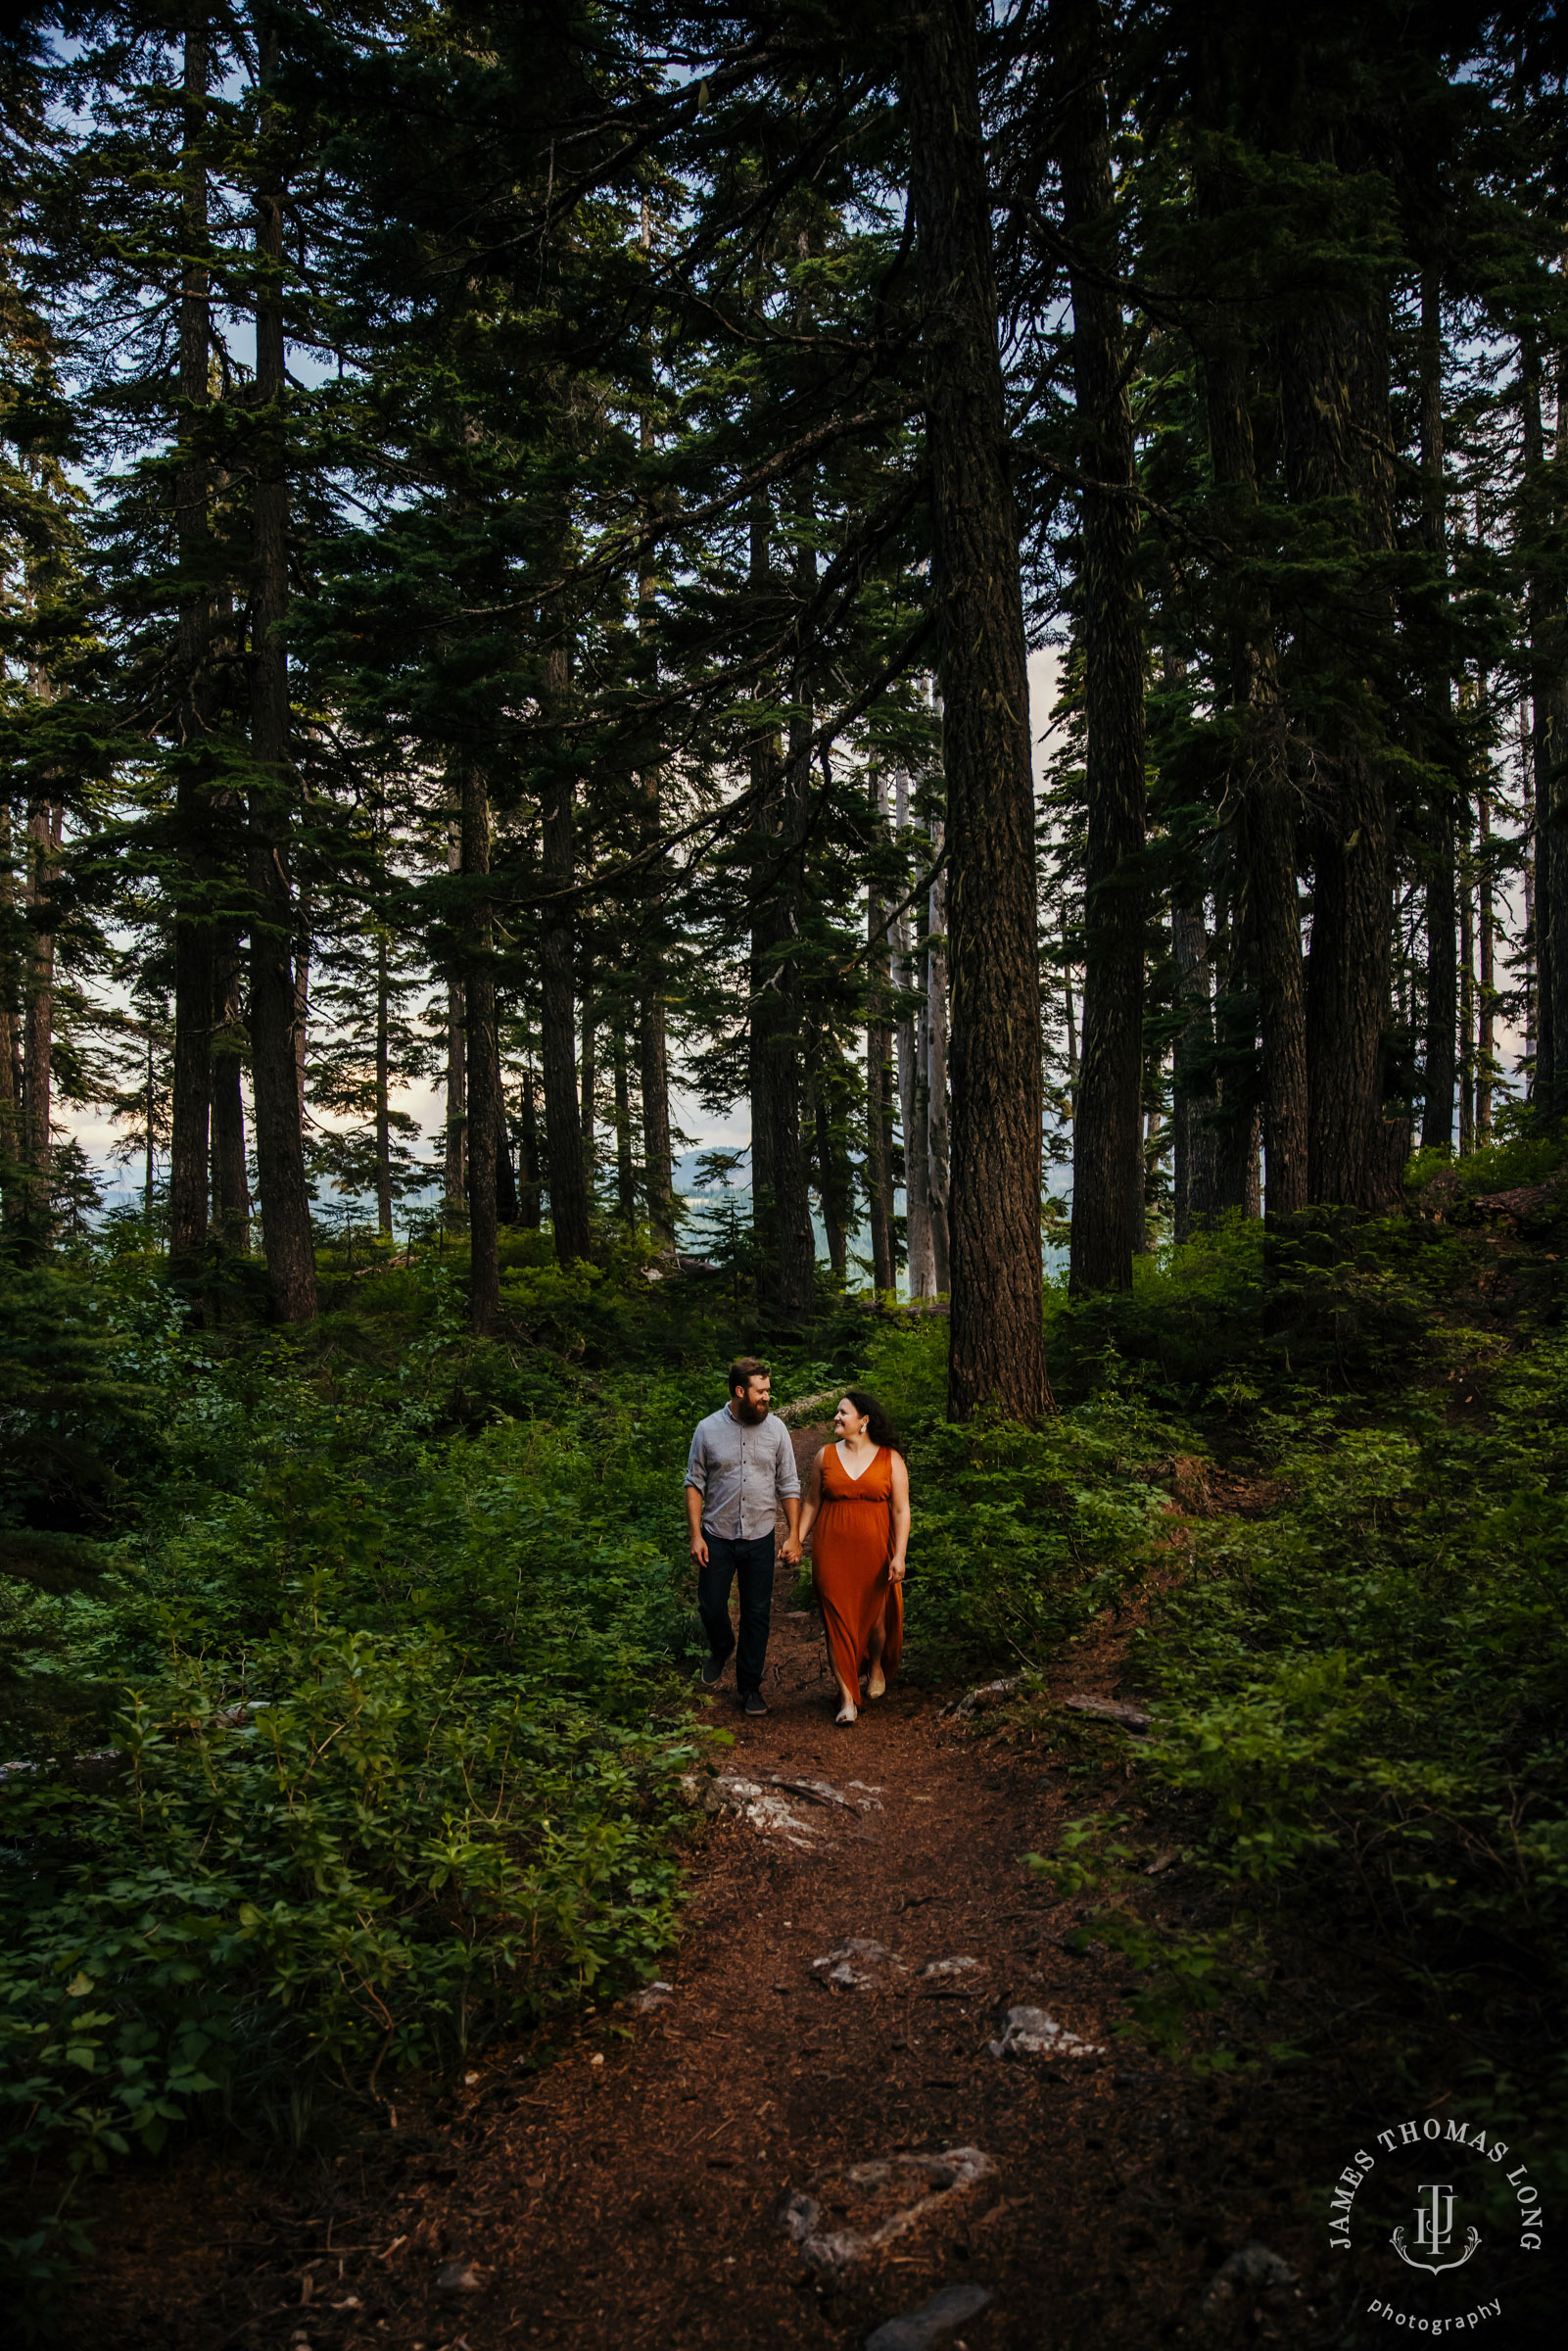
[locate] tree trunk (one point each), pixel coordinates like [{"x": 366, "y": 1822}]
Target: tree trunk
[
  {"x": 479, "y": 1028},
  {"x": 508, "y": 1201},
  {"x": 589, "y": 1074},
  {"x": 878, "y": 1076},
  {"x": 303, "y": 911},
  {"x": 937, "y": 1132},
  {"x": 528, "y": 1186},
  {"x": 780, "y": 1202},
  {"x": 1487, "y": 998},
  {"x": 1441, "y": 968},
  {"x": 1337, "y": 439},
  {"x": 195, "y": 942},
  {"x": 455, "y": 1153},
  {"x": 383, "y": 1090},
  {"x": 231, "y": 1184},
  {"x": 625, "y": 1169},
  {"x": 908, "y": 975},
  {"x": 274, "y": 1068},
  {"x": 997, "y": 1352},
  {"x": 44, "y": 819},
  {"x": 1193, "y": 1101},
  {"x": 1548, "y": 615},
  {"x": 10, "y": 1053},
  {"x": 833, "y": 1184},
  {"x": 1108, "y": 1120},
  {"x": 150, "y": 1155},
  {"x": 1267, "y": 825},
  {"x": 563, "y": 1124},
  {"x": 1466, "y": 1016},
  {"x": 654, "y": 1072}
]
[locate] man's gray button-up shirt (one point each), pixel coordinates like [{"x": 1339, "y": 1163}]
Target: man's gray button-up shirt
[{"x": 741, "y": 1470}]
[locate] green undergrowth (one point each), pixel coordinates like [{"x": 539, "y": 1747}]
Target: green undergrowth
[
  {"x": 1361, "y": 1678},
  {"x": 346, "y": 1675},
  {"x": 346, "y": 1690}
]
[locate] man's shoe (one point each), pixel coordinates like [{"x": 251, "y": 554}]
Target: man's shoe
[
  {"x": 754, "y": 1702},
  {"x": 712, "y": 1671}
]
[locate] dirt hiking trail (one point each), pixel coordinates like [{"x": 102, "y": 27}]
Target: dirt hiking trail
[{"x": 728, "y": 2167}]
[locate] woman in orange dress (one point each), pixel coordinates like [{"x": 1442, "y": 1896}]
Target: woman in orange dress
[{"x": 857, "y": 1513}]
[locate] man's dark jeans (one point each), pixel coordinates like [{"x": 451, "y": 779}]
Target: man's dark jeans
[{"x": 751, "y": 1559}]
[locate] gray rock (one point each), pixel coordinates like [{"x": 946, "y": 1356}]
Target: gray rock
[
  {"x": 937, "y": 1971},
  {"x": 654, "y": 1995},
  {"x": 919, "y": 2330},
  {"x": 750, "y": 1800},
  {"x": 1030, "y": 2033},
  {"x": 859, "y": 1965},
  {"x": 829, "y": 2253},
  {"x": 989, "y": 1694},
  {"x": 459, "y": 2278},
  {"x": 1253, "y": 2268}
]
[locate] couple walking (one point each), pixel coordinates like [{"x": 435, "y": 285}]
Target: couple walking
[{"x": 740, "y": 1467}]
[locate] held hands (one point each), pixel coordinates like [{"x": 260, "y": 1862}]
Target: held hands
[{"x": 895, "y": 1571}]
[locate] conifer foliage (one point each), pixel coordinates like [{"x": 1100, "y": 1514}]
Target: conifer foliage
[{"x": 524, "y": 530}]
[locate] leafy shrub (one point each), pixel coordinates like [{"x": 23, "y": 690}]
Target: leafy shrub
[
  {"x": 383, "y": 1860},
  {"x": 1376, "y": 1668}
]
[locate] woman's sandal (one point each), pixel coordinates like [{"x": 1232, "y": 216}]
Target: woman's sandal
[
  {"x": 872, "y": 1692},
  {"x": 847, "y": 1715}
]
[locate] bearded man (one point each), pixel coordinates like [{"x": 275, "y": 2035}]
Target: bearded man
[{"x": 741, "y": 1466}]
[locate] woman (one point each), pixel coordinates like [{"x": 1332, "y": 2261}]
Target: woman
[{"x": 856, "y": 1508}]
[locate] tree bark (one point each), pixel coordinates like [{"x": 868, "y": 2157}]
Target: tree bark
[
  {"x": 997, "y": 1350},
  {"x": 653, "y": 1072},
  {"x": 44, "y": 822},
  {"x": 383, "y": 1090},
  {"x": 1193, "y": 1100},
  {"x": 563, "y": 1124},
  {"x": 624, "y": 1168},
  {"x": 1466, "y": 1016},
  {"x": 1548, "y": 615},
  {"x": 528, "y": 1185},
  {"x": 1486, "y": 994},
  {"x": 479, "y": 1029},
  {"x": 937, "y": 1127},
  {"x": 878, "y": 1076},
  {"x": 231, "y": 1185},
  {"x": 1337, "y": 442},
  {"x": 1265, "y": 821},
  {"x": 302, "y": 915},
  {"x": 195, "y": 941},
  {"x": 275, "y": 1068},
  {"x": 454, "y": 1152},
  {"x": 1442, "y": 967},
  {"x": 1107, "y": 1121},
  {"x": 11, "y": 1049},
  {"x": 590, "y": 1075},
  {"x": 508, "y": 1200},
  {"x": 780, "y": 1202},
  {"x": 908, "y": 975}
]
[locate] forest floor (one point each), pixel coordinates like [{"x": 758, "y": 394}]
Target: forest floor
[{"x": 629, "y": 2183}]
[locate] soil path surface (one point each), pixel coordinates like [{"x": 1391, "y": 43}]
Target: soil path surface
[{"x": 726, "y": 2167}]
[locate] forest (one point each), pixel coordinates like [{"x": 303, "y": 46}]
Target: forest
[{"x": 526, "y": 535}]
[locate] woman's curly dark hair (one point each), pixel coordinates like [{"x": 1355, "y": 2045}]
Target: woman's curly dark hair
[{"x": 879, "y": 1428}]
